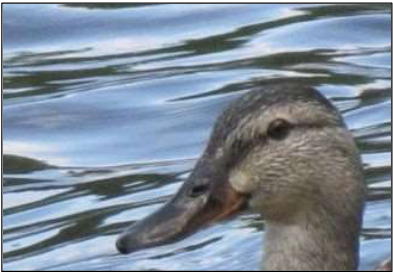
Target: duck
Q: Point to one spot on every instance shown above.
(282, 150)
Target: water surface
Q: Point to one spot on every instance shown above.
(106, 108)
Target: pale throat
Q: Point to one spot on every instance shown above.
(315, 241)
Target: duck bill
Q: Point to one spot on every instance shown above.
(194, 206)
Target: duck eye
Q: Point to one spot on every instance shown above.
(198, 190)
(278, 129)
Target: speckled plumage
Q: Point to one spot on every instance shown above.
(306, 181)
(309, 186)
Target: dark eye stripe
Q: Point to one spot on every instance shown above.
(240, 148)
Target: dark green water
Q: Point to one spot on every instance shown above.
(107, 107)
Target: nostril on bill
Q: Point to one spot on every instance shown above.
(198, 190)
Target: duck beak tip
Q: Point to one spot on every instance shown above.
(183, 215)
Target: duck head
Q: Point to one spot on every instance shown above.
(276, 150)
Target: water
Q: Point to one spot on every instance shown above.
(107, 107)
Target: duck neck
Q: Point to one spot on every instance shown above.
(314, 241)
